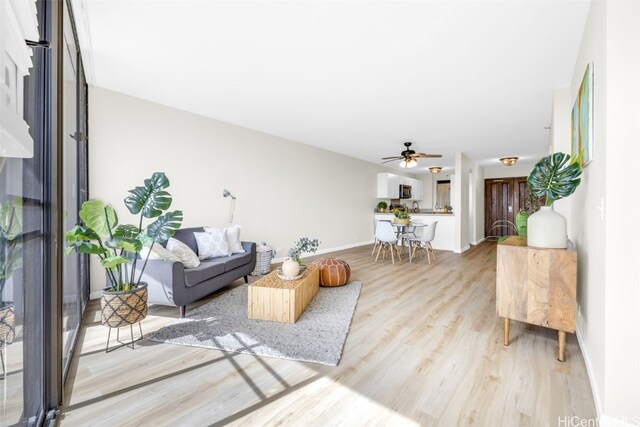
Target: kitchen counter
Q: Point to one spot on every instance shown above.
(445, 231)
(410, 212)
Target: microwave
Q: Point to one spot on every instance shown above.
(405, 192)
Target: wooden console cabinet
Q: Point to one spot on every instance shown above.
(537, 286)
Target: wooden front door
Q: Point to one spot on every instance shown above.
(503, 198)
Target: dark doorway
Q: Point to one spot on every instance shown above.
(503, 198)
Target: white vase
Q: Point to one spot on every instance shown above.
(290, 268)
(547, 229)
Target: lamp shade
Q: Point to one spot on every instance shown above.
(509, 161)
(412, 163)
(435, 169)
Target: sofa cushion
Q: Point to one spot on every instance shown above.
(183, 252)
(212, 245)
(205, 271)
(233, 237)
(185, 235)
(237, 260)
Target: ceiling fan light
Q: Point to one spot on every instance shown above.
(509, 161)
(435, 169)
(411, 163)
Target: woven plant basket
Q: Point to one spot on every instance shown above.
(401, 221)
(124, 308)
(7, 324)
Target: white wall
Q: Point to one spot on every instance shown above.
(600, 213)
(285, 190)
(461, 203)
(427, 185)
(476, 206)
(587, 228)
(502, 171)
(622, 293)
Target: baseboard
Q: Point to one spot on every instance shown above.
(587, 362)
(603, 420)
(466, 248)
(95, 295)
(477, 242)
(325, 251)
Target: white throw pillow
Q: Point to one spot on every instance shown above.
(184, 253)
(233, 238)
(212, 244)
(158, 253)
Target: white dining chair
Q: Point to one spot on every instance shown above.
(375, 239)
(387, 240)
(423, 243)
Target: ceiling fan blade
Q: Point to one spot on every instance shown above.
(433, 156)
(392, 158)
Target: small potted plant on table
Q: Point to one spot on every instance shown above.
(124, 301)
(401, 217)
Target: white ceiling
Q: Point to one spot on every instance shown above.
(358, 77)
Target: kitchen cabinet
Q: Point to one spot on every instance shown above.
(388, 186)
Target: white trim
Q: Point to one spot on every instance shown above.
(587, 362)
(81, 18)
(95, 295)
(324, 251)
(477, 242)
(466, 248)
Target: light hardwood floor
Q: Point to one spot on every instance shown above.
(425, 348)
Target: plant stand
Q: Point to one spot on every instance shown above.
(130, 344)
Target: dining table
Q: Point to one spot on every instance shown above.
(406, 231)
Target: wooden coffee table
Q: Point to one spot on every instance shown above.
(271, 298)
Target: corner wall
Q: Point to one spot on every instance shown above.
(285, 190)
(601, 214)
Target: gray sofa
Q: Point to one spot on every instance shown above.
(170, 283)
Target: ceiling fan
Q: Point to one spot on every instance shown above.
(409, 156)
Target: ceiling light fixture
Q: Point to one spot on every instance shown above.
(435, 169)
(411, 163)
(509, 161)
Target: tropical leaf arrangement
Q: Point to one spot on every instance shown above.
(555, 177)
(118, 245)
(304, 244)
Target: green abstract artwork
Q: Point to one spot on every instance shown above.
(582, 119)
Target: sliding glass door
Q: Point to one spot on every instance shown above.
(72, 302)
(43, 180)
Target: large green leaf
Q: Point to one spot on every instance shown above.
(554, 177)
(114, 261)
(164, 227)
(99, 217)
(151, 199)
(521, 222)
(80, 233)
(84, 247)
(126, 231)
(128, 244)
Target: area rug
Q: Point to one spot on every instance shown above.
(318, 336)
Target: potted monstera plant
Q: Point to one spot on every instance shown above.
(124, 301)
(10, 261)
(554, 177)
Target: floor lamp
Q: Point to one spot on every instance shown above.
(226, 193)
